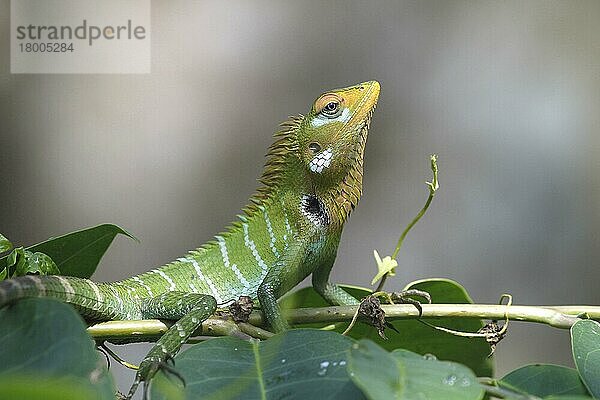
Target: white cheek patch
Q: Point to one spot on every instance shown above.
(320, 120)
(321, 161)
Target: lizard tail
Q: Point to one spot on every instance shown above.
(86, 296)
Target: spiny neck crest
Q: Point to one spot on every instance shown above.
(275, 166)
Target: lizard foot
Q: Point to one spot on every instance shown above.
(148, 368)
(240, 309)
(370, 308)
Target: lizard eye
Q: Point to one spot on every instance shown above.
(329, 105)
(314, 147)
(331, 109)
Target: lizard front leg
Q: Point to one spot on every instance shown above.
(190, 309)
(331, 292)
(267, 295)
(287, 272)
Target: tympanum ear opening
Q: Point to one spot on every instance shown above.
(314, 147)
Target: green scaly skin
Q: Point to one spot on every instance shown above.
(311, 182)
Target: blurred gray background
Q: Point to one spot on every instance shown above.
(506, 93)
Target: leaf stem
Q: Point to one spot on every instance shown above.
(491, 388)
(433, 187)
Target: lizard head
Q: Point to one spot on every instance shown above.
(321, 153)
(331, 143)
(332, 136)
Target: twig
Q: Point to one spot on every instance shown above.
(592, 312)
(149, 330)
(254, 331)
(122, 332)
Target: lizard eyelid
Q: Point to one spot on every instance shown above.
(329, 105)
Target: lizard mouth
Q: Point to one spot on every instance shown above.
(363, 131)
(365, 127)
(370, 97)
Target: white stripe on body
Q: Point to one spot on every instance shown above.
(250, 245)
(209, 282)
(141, 282)
(96, 290)
(128, 298)
(67, 286)
(288, 235)
(167, 278)
(271, 234)
(227, 263)
(117, 296)
(130, 290)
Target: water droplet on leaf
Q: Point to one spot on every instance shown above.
(450, 380)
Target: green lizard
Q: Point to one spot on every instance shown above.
(311, 182)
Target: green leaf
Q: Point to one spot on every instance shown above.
(21, 265)
(5, 244)
(13, 256)
(405, 375)
(78, 253)
(415, 336)
(17, 262)
(585, 342)
(41, 388)
(47, 339)
(21, 262)
(36, 263)
(302, 364)
(544, 380)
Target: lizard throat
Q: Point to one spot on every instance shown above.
(341, 200)
(314, 210)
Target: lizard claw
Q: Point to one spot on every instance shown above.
(403, 297)
(148, 368)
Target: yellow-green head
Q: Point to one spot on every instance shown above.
(321, 154)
